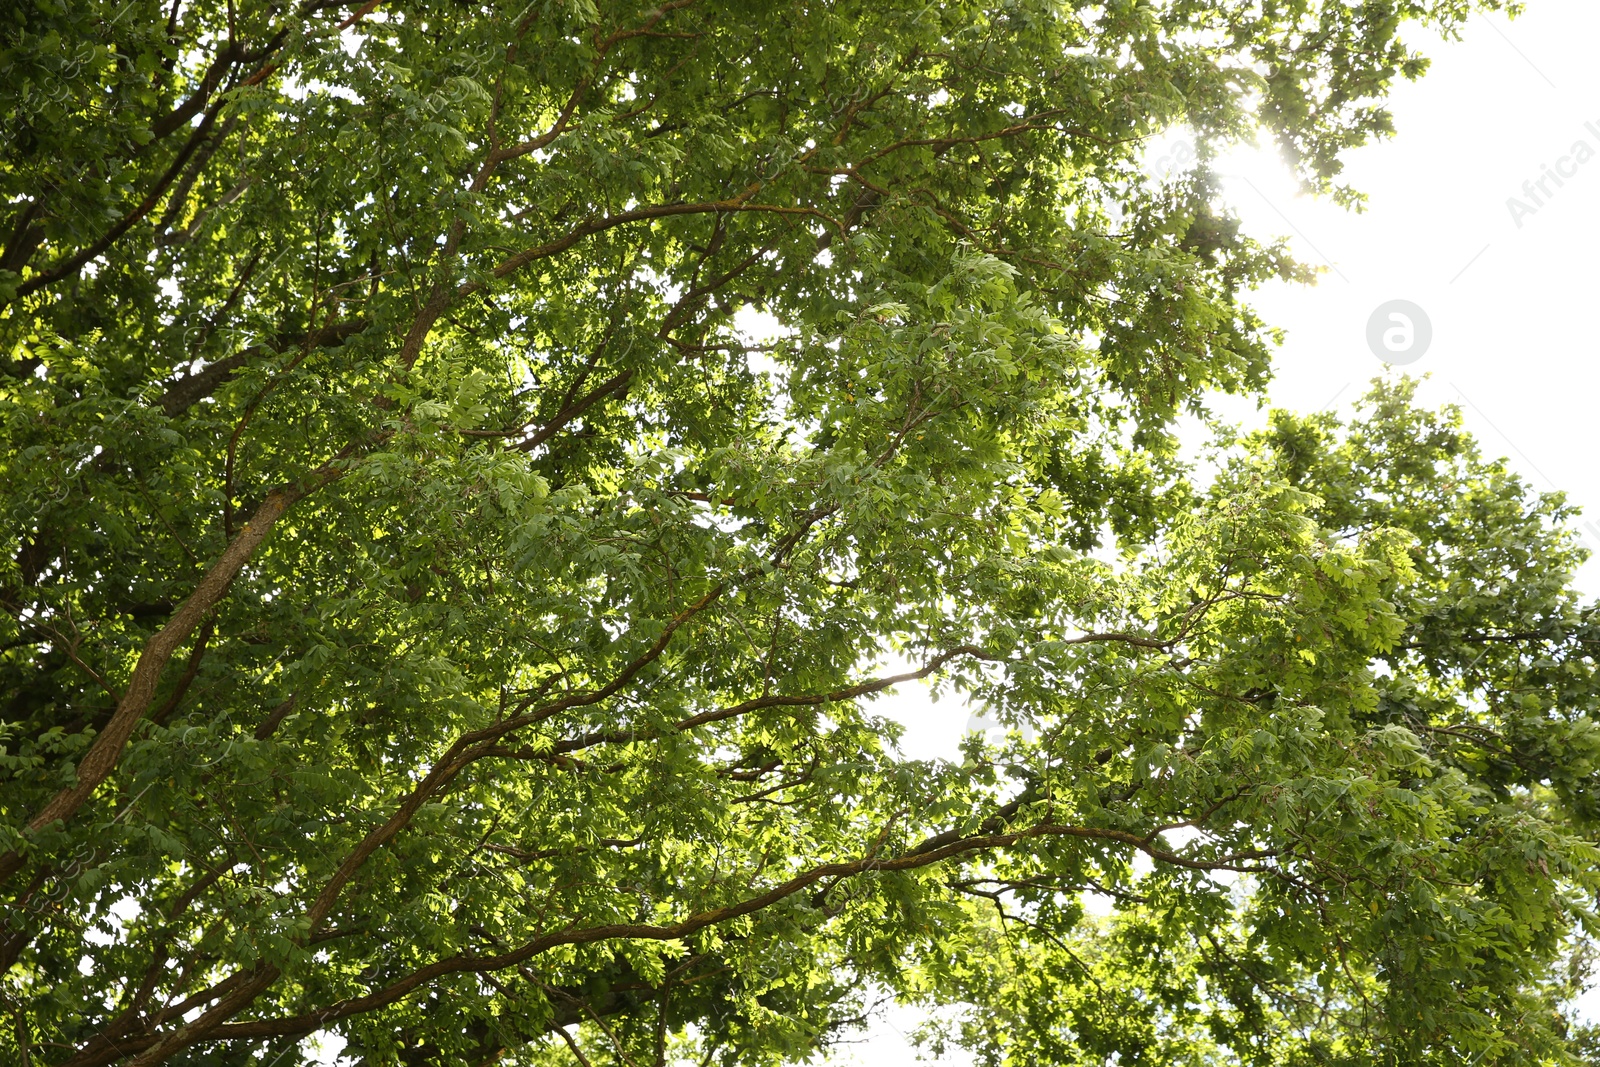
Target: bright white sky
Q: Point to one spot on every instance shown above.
(1512, 307)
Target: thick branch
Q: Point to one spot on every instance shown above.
(466, 750)
(102, 756)
(923, 856)
(73, 263)
(190, 390)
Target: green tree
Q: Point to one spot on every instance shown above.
(432, 619)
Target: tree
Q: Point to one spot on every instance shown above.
(434, 617)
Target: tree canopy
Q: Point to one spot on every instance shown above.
(435, 618)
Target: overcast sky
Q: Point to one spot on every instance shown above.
(1511, 291)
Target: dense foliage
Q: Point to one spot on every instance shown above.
(434, 618)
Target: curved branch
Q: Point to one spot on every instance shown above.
(189, 390)
(292, 1026)
(592, 226)
(470, 747)
(102, 756)
(73, 263)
